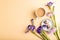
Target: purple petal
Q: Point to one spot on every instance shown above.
(49, 4)
(31, 27)
(45, 26)
(39, 29)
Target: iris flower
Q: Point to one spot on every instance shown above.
(50, 4)
(47, 26)
(52, 16)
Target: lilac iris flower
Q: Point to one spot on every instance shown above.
(49, 4)
(31, 27)
(39, 29)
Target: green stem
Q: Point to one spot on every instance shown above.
(36, 34)
(44, 38)
(42, 35)
(56, 33)
(54, 21)
(45, 35)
